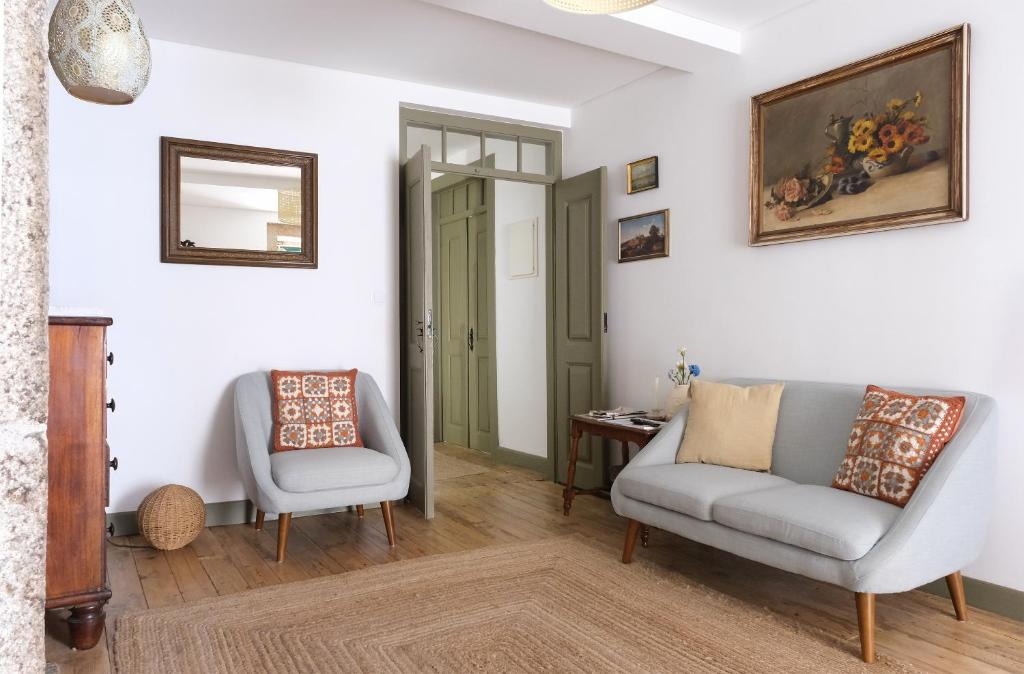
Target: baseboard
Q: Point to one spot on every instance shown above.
(513, 457)
(217, 514)
(1004, 601)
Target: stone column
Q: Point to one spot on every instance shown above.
(24, 365)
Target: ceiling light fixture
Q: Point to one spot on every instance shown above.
(597, 6)
(99, 50)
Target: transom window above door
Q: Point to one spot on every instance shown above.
(478, 147)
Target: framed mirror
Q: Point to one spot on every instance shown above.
(237, 205)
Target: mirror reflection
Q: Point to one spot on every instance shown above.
(240, 206)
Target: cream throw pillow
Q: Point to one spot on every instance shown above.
(730, 425)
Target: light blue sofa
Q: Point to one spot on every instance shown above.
(793, 520)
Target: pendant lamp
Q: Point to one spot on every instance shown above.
(99, 50)
(597, 6)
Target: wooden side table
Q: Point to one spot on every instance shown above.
(613, 430)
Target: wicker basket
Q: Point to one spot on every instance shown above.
(171, 517)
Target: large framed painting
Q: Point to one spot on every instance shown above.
(877, 144)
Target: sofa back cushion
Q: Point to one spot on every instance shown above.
(731, 425)
(814, 425)
(894, 442)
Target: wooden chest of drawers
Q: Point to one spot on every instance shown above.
(79, 463)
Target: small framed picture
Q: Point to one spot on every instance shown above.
(643, 236)
(642, 175)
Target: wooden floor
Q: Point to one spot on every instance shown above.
(503, 505)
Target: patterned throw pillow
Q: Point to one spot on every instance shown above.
(315, 409)
(895, 439)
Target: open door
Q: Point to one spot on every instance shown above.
(417, 351)
(578, 317)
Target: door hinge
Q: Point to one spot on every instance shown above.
(605, 320)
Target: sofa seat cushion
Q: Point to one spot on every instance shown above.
(836, 523)
(331, 468)
(692, 488)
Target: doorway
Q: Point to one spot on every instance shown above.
(462, 150)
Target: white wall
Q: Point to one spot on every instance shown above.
(520, 308)
(213, 227)
(935, 306)
(183, 333)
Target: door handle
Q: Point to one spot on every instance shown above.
(471, 339)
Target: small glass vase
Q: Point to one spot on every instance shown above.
(678, 398)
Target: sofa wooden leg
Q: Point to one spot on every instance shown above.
(866, 623)
(283, 522)
(955, 583)
(389, 521)
(359, 511)
(259, 520)
(632, 531)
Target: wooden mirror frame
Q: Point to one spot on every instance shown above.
(171, 250)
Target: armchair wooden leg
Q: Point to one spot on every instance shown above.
(632, 531)
(389, 521)
(359, 511)
(259, 520)
(283, 522)
(955, 583)
(866, 623)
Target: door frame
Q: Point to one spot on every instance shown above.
(417, 116)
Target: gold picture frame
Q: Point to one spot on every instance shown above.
(642, 175)
(644, 236)
(895, 145)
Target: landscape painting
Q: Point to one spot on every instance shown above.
(877, 144)
(643, 236)
(642, 175)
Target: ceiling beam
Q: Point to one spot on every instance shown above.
(653, 34)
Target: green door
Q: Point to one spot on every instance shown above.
(454, 315)
(417, 360)
(468, 392)
(578, 270)
(483, 389)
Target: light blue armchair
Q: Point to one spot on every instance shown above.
(314, 479)
(793, 520)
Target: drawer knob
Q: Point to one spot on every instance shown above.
(110, 529)
(110, 358)
(113, 463)
(111, 405)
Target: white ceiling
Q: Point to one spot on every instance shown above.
(400, 39)
(520, 49)
(735, 14)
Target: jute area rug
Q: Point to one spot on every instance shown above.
(559, 605)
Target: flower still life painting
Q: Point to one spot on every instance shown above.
(643, 236)
(878, 144)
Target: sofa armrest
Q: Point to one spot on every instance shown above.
(663, 448)
(943, 527)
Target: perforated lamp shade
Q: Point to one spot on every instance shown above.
(99, 50)
(598, 6)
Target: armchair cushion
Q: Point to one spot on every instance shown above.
(692, 488)
(315, 409)
(839, 524)
(331, 468)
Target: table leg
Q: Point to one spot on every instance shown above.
(574, 448)
(625, 453)
(645, 535)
